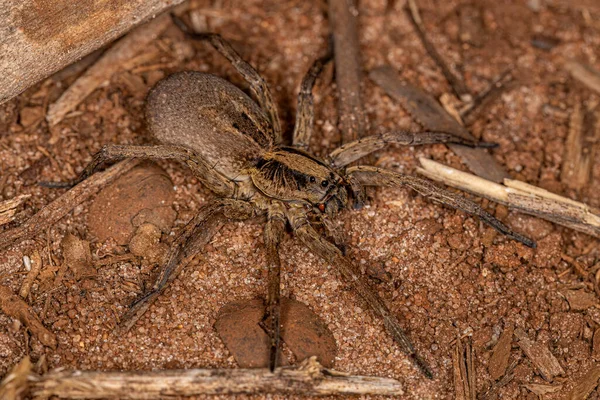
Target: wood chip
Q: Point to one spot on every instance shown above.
(499, 360)
(540, 356)
(586, 384)
(542, 389)
(308, 379)
(8, 208)
(580, 299)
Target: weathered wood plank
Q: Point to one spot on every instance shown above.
(39, 37)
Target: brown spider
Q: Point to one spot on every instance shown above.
(234, 146)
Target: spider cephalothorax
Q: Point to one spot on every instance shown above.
(234, 146)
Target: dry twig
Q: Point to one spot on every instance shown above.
(13, 306)
(519, 196)
(54, 211)
(584, 74)
(309, 378)
(584, 131)
(458, 85)
(8, 208)
(110, 62)
(347, 69)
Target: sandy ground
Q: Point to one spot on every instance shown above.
(450, 276)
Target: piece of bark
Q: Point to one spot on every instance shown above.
(585, 74)
(308, 379)
(60, 207)
(499, 360)
(464, 370)
(36, 267)
(8, 208)
(579, 148)
(110, 62)
(596, 345)
(519, 196)
(13, 306)
(580, 300)
(432, 116)
(586, 384)
(14, 386)
(540, 356)
(41, 37)
(351, 114)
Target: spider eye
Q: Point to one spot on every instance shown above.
(312, 179)
(324, 184)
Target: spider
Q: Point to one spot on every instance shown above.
(234, 146)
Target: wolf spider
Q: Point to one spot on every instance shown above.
(234, 146)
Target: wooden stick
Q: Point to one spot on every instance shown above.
(13, 306)
(41, 37)
(519, 196)
(585, 74)
(347, 69)
(580, 147)
(110, 62)
(8, 208)
(309, 378)
(60, 207)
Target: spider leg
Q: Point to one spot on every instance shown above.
(273, 233)
(352, 151)
(372, 176)
(201, 169)
(193, 237)
(303, 127)
(258, 85)
(328, 252)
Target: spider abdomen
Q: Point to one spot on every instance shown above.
(210, 116)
